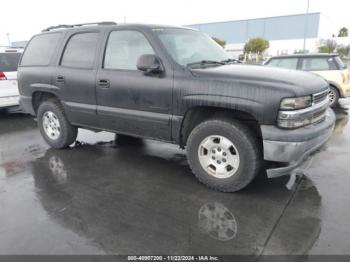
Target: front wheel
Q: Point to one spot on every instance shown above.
(333, 97)
(54, 126)
(223, 154)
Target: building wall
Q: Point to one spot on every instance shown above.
(278, 47)
(19, 44)
(270, 28)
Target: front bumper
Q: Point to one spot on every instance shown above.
(292, 147)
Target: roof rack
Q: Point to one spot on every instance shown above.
(76, 25)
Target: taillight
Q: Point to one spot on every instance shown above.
(2, 76)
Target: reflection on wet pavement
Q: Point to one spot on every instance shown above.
(216, 220)
(139, 197)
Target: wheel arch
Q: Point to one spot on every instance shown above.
(40, 96)
(336, 86)
(198, 114)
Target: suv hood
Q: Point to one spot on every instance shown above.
(302, 83)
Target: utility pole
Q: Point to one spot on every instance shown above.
(8, 39)
(305, 26)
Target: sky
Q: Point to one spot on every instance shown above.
(28, 17)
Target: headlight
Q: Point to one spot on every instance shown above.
(296, 103)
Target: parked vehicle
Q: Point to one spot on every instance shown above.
(175, 85)
(329, 66)
(9, 96)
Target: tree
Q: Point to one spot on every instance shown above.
(222, 43)
(343, 32)
(343, 50)
(256, 46)
(323, 49)
(327, 46)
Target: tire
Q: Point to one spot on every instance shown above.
(245, 148)
(333, 97)
(65, 133)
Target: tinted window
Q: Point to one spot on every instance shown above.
(40, 49)
(9, 62)
(124, 48)
(288, 63)
(80, 50)
(318, 63)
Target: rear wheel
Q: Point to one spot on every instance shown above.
(54, 126)
(333, 95)
(223, 154)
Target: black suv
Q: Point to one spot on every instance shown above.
(175, 85)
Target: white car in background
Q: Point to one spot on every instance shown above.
(9, 96)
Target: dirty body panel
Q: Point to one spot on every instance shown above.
(156, 106)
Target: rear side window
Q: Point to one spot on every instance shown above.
(9, 61)
(288, 63)
(40, 49)
(318, 64)
(80, 51)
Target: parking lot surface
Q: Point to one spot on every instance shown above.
(111, 196)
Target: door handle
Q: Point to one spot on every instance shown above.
(103, 83)
(60, 79)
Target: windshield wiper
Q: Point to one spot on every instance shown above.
(231, 61)
(205, 62)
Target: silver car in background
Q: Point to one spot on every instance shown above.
(9, 96)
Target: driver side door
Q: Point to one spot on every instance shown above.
(128, 100)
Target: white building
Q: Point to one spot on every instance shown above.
(286, 34)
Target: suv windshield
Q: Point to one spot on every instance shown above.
(190, 47)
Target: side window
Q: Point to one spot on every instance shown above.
(318, 64)
(40, 49)
(288, 63)
(124, 48)
(80, 51)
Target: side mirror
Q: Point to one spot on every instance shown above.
(150, 64)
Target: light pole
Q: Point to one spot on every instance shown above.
(305, 25)
(8, 38)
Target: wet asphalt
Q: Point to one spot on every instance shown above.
(107, 195)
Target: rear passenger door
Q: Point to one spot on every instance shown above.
(129, 101)
(75, 76)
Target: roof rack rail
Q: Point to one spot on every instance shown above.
(76, 25)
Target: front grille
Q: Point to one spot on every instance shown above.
(320, 97)
(319, 116)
